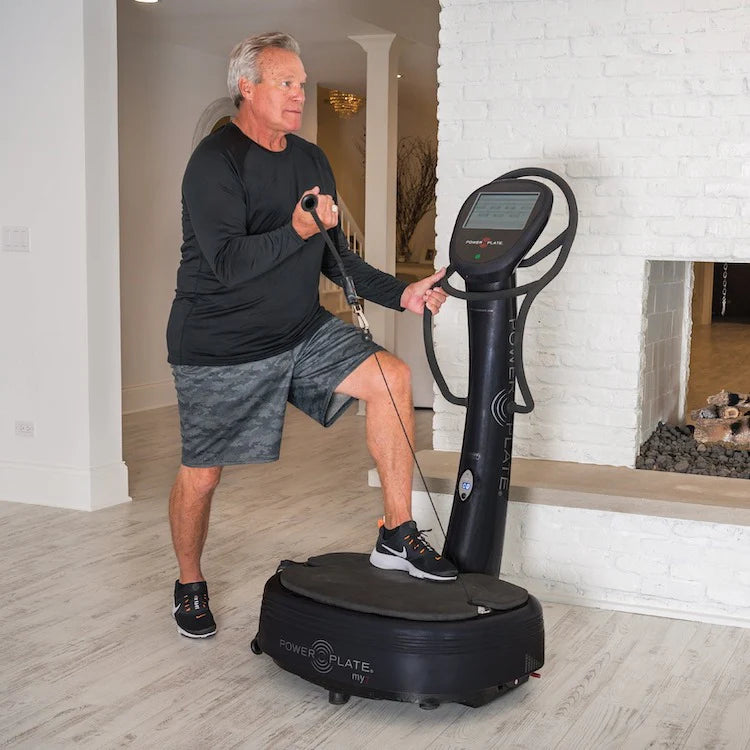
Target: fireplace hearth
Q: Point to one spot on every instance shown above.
(674, 448)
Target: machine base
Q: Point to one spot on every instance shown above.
(426, 661)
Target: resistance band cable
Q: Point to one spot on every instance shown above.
(309, 203)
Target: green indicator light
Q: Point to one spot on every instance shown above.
(477, 256)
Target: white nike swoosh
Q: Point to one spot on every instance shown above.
(398, 554)
(174, 609)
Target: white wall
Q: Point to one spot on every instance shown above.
(643, 107)
(163, 90)
(58, 303)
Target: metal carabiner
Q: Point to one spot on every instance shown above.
(359, 315)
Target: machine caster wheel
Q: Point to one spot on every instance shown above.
(429, 705)
(337, 698)
(255, 647)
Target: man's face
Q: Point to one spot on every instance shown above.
(278, 100)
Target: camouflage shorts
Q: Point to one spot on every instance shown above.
(234, 414)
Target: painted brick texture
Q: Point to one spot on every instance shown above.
(666, 317)
(687, 569)
(644, 108)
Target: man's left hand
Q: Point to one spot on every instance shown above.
(421, 293)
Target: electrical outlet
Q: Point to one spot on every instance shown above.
(24, 429)
(16, 239)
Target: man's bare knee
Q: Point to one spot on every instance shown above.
(201, 481)
(397, 374)
(367, 381)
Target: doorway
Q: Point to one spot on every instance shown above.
(720, 341)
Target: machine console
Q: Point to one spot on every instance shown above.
(497, 226)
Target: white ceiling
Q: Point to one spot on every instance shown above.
(322, 28)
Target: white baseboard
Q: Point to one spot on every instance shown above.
(64, 487)
(148, 396)
(694, 615)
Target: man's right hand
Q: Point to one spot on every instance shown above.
(327, 210)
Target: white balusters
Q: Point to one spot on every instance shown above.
(331, 295)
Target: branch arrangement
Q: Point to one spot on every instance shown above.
(416, 178)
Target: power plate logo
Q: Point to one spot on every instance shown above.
(322, 653)
(484, 242)
(324, 659)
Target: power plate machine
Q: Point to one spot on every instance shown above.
(353, 629)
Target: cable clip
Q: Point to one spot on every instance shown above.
(359, 315)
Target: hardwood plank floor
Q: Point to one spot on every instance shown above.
(719, 359)
(91, 657)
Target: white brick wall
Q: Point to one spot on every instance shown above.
(667, 323)
(693, 570)
(645, 109)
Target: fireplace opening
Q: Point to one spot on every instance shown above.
(695, 346)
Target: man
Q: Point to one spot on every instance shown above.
(247, 333)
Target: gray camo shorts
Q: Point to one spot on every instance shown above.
(234, 414)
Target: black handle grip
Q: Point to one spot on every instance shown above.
(309, 202)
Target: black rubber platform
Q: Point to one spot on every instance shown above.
(471, 661)
(347, 580)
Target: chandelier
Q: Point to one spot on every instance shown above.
(345, 105)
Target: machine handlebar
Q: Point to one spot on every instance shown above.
(563, 241)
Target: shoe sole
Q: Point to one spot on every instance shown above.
(390, 562)
(186, 633)
(195, 635)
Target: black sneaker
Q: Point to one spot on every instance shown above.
(405, 548)
(194, 618)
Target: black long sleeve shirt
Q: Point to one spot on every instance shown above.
(247, 285)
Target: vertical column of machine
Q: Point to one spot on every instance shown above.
(474, 539)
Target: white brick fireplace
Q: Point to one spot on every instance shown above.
(644, 108)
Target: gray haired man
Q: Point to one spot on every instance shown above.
(247, 332)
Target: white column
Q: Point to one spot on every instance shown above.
(380, 169)
(59, 302)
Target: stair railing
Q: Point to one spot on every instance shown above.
(356, 240)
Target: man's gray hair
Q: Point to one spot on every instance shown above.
(243, 61)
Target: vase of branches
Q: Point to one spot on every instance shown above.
(416, 178)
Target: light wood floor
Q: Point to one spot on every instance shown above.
(91, 657)
(719, 358)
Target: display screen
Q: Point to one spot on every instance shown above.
(501, 211)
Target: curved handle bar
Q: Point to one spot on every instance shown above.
(429, 347)
(564, 241)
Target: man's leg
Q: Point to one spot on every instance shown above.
(189, 510)
(385, 436)
(400, 545)
(231, 414)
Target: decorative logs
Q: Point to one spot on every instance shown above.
(726, 419)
